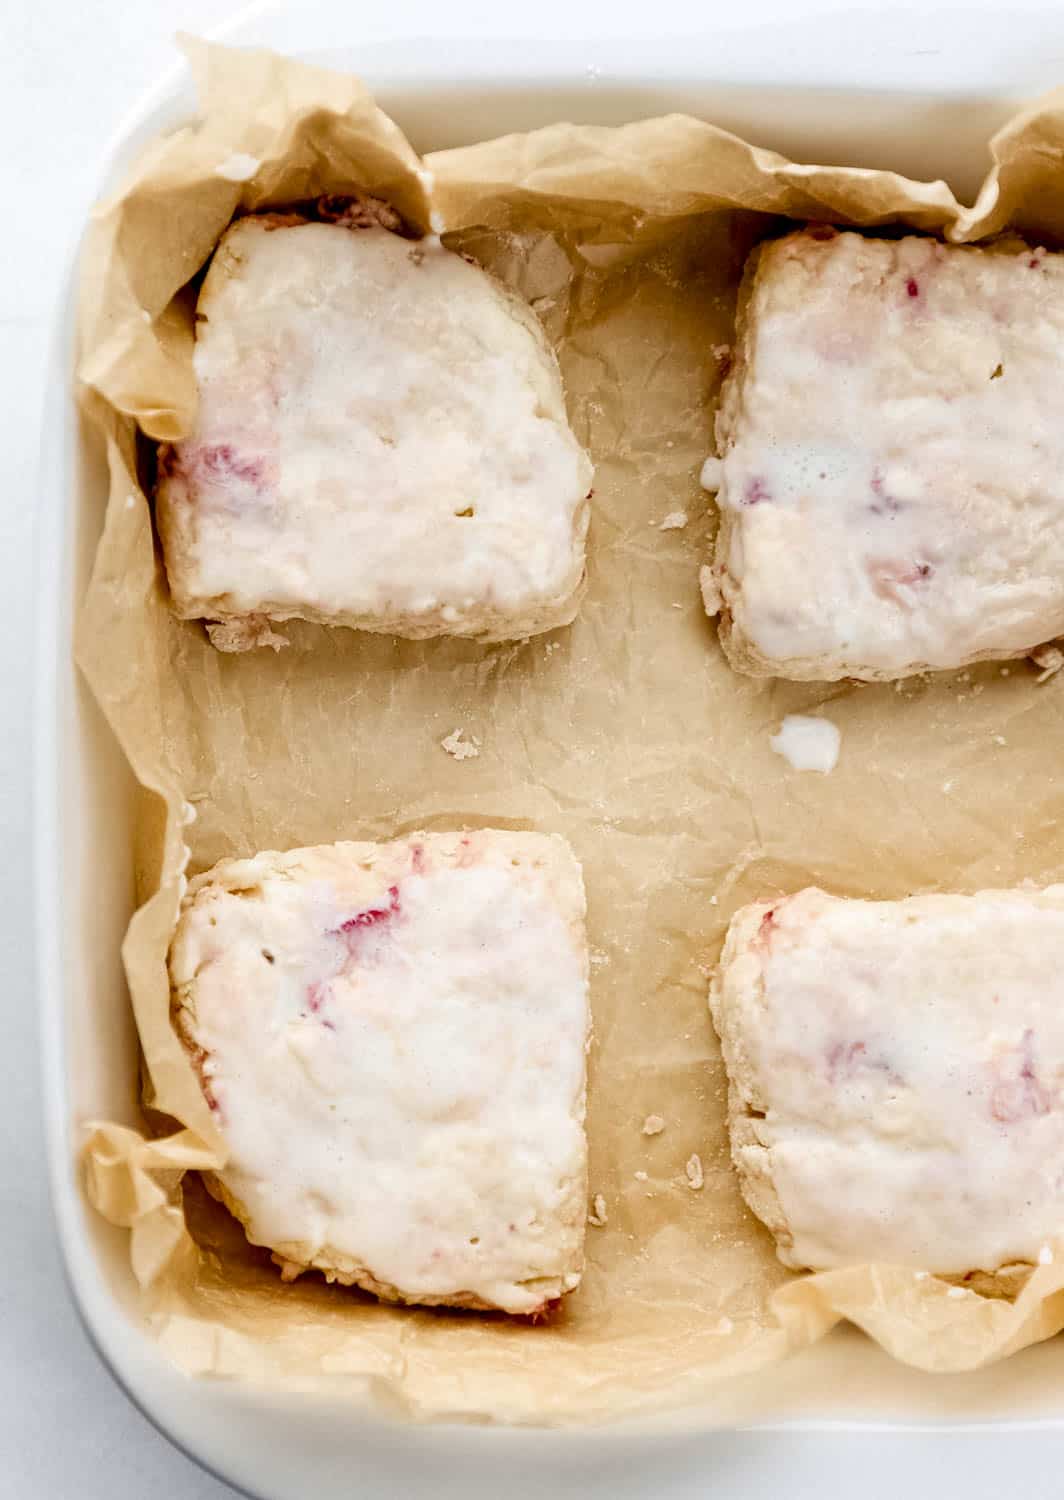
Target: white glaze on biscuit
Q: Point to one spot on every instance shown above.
(381, 442)
(897, 1076)
(892, 482)
(392, 1040)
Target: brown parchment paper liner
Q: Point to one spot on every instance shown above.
(627, 733)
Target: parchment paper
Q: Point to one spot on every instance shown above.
(627, 733)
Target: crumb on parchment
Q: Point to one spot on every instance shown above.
(459, 748)
(676, 520)
(653, 1125)
(244, 633)
(710, 590)
(710, 474)
(598, 1215)
(1050, 659)
(695, 1176)
(808, 743)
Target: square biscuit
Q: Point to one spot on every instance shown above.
(896, 1078)
(392, 1040)
(381, 442)
(892, 459)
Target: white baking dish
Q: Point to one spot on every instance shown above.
(924, 105)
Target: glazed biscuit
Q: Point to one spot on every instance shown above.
(381, 442)
(392, 1040)
(892, 475)
(896, 1077)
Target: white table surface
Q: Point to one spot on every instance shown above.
(69, 71)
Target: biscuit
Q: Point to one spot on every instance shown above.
(392, 1040)
(892, 479)
(896, 1078)
(381, 442)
